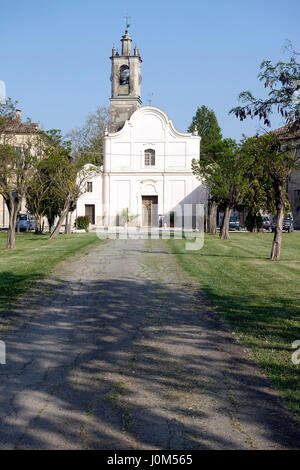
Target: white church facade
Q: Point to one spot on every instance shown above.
(146, 171)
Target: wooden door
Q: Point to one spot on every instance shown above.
(149, 214)
(90, 212)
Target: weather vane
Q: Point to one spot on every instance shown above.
(127, 18)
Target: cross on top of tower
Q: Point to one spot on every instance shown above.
(127, 24)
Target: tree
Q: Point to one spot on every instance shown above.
(63, 186)
(208, 128)
(59, 174)
(257, 198)
(276, 163)
(70, 183)
(87, 141)
(18, 161)
(282, 80)
(226, 171)
(7, 111)
(58, 183)
(16, 170)
(207, 125)
(42, 197)
(272, 164)
(35, 195)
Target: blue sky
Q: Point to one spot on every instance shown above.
(55, 55)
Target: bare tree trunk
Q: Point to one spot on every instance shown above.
(224, 234)
(67, 222)
(275, 252)
(213, 217)
(50, 223)
(69, 226)
(13, 208)
(38, 225)
(61, 218)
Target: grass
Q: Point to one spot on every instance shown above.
(115, 393)
(258, 298)
(34, 258)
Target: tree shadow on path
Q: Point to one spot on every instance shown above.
(127, 364)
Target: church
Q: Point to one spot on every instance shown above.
(146, 175)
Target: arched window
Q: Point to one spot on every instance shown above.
(149, 157)
(124, 75)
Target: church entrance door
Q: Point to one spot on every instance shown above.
(150, 212)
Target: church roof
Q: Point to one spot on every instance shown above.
(156, 112)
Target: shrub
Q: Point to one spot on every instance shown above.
(250, 222)
(259, 222)
(125, 215)
(82, 222)
(254, 222)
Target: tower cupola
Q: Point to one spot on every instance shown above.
(126, 44)
(126, 83)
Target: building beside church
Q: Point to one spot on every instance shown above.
(18, 134)
(146, 162)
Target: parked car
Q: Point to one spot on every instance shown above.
(287, 225)
(234, 223)
(26, 222)
(267, 223)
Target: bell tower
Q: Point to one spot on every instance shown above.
(125, 83)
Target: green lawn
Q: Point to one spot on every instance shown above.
(259, 298)
(33, 259)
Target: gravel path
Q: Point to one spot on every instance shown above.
(118, 349)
